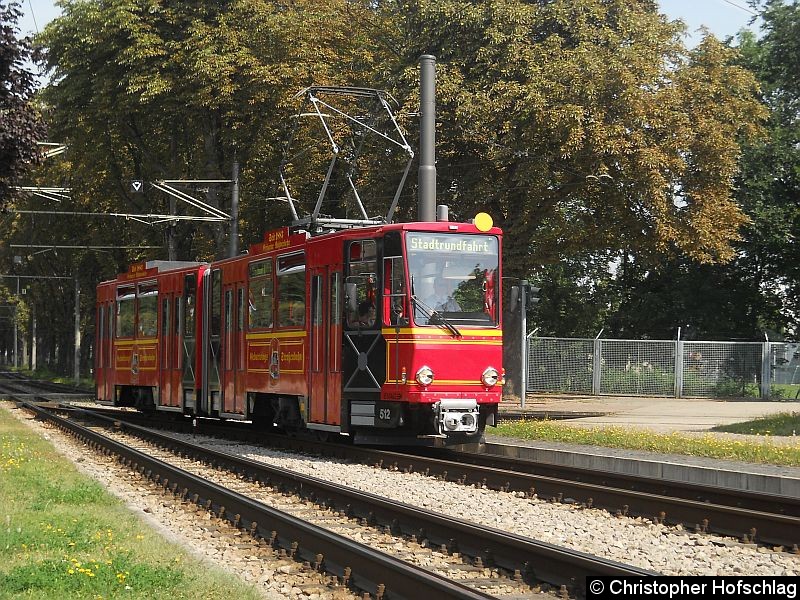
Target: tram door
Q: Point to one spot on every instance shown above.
(186, 340)
(100, 374)
(170, 351)
(232, 351)
(212, 335)
(319, 345)
(103, 349)
(325, 346)
(166, 384)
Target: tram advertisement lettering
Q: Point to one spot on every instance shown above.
(123, 356)
(448, 243)
(258, 357)
(147, 358)
(288, 358)
(292, 358)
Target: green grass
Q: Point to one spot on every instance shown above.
(673, 443)
(781, 424)
(785, 391)
(62, 536)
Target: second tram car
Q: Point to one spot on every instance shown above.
(389, 334)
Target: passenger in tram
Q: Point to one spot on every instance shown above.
(366, 313)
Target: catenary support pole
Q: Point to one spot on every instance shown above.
(233, 248)
(16, 330)
(77, 332)
(33, 339)
(523, 347)
(426, 206)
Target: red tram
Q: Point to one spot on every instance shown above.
(390, 334)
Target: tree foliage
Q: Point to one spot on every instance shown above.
(769, 186)
(758, 290)
(585, 127)
(161, 90)
(581, 125)
(20, 124)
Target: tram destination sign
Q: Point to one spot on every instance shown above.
(452, 244)
(277, 239)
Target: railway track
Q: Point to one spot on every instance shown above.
(523, 559)
(13, 380)
(749, 516)
(752, 517)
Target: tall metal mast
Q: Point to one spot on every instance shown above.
(426, 208)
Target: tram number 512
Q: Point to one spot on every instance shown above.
(385, 414)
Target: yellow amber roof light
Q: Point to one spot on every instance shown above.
(483, 221)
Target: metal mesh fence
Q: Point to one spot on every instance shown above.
(722, 369)
(637, 367)
(560, 365)
(651, 368)
(784, 370)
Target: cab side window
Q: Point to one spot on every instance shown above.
(361, 285)
(291, 273)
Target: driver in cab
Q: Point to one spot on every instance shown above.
(441, 299)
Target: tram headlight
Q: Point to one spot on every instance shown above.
(451, 422)
(489, 377)
(424, 376)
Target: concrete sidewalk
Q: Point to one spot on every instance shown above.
(664, 415)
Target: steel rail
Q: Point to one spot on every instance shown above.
(723, 511)
(12, 380)
(659, 503)
(542, 561)
(366, 569)
(746, 499)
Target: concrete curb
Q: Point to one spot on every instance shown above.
(770, 479)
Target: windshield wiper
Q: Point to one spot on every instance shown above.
(440, 319)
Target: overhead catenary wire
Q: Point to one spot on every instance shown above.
(740, 7)
(33, 16)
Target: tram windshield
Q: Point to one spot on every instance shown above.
(454, 278)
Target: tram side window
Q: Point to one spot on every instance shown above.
(126, 311)
(394, 290)
(190, 291)
(361, 284)
(148, 309)
(216, 302)
(292, 290)
(101, 334)
(260, 294)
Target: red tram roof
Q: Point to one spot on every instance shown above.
(284, 239)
